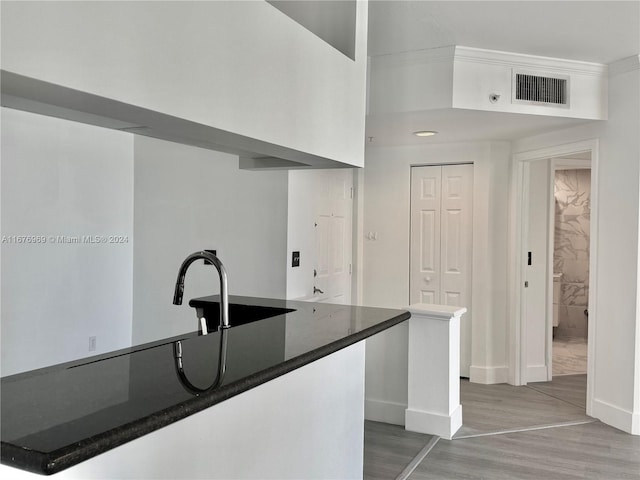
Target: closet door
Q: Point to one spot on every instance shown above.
(425, 234)
(441, 242)
(455, 257)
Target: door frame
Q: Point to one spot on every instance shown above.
(548, 286)
(517, 245)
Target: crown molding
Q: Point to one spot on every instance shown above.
(496, 57)
(624, 65)
(459, 53)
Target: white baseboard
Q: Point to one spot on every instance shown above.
(384, 411)
(488, 375)
(537, 373)
(444, 426)
(616, 417)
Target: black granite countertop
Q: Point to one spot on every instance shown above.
(56, 417)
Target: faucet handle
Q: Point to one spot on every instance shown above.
(203, 326)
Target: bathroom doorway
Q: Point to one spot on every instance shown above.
(571, 226)
(531, 338)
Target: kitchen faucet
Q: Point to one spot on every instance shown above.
(224, 294)
(222, 366)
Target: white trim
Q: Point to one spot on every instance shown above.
(519, 60)
(617, 417)
(557, 151)
(459, 53)
(593, 276)
(489, 375)
(522, 248)
(625, 65)
(551, 227)
(571, 164)
(537, 373)
(518, 371)
(436, 312)
(357, 277)
(444, 426)
(514, 275)
(384, 411)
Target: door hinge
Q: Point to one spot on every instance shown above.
(351, 193)
(526, 284)
(349, 269)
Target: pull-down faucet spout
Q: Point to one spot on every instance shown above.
(222, 273)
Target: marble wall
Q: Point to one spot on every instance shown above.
(571, 248)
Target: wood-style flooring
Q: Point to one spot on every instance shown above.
(535, 432)
(592, 450)
(388, 449)
(502, 407)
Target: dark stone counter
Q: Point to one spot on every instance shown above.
(56, 417)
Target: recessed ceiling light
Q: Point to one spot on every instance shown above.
(425, 133)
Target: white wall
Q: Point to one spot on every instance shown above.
(189, 199)
(397, 81)
(386, 261)
(300, 232)
(244, 67)
(614, 285)
(489, 339)
(69, 179)
(537, 274)
(66, 178)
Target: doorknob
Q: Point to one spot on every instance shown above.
(427, 279)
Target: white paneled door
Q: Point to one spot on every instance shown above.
(441, 240)
(333, 231)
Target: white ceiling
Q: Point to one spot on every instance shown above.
(594, 31)
(591, 31)
(457, 125)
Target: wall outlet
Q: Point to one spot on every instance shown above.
(92, 344)
(207, 262)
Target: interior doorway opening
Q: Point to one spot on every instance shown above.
(571, 226)
(532, 332)
(556, 240)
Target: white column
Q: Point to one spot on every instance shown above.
(434, 370)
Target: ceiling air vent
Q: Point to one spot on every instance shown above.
(539, 90)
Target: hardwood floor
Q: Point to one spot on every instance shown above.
(497, 408)
(535, 432)
(569, 388)
(593, 450)
(388, 449)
